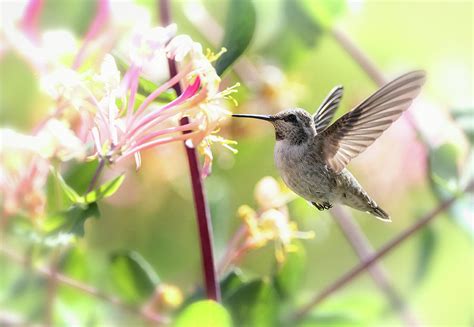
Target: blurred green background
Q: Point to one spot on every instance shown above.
(293, 61)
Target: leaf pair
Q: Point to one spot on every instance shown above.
(103, 191)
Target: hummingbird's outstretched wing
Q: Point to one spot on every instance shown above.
(326, 110)
(356, 130)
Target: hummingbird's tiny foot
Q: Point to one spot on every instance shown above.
(327, 205)
(322, 206)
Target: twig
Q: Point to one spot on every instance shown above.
(357, 270)
(200, 203)
(369, 67)
(90, 290)
(364, 250)
(359, 56)
(231, 248)
(52, 289)
(96, 176)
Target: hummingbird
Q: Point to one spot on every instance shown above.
(312, 155)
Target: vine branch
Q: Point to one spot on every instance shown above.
(364, 250)
(78, 285)
(368, 262)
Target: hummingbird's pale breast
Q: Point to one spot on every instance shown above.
(303, 172)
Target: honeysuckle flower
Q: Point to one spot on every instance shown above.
(55, 140)
(149, 43)
(125, 131)
(26, 162)
(271, 225)
(23, 174)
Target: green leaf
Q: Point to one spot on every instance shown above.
(68, 190)
(231, 282)
(290, 274)
(323, 13)
(75, 15)
(254, 304)
(327, 319)
(146, 87)
(239, 29)
(105, 190)
(447, 179)
(18, 91)
(70, 221)
(428, 241)
(134, 277)
(465, 118)
(299, 22)
(443, 163)
(204, 313)
(79, 175)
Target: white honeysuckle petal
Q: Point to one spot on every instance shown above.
(60, 141)
(109, 74)
(58, 45)
(15, 141)
(138, 160)
(147, 43)
(182, 45)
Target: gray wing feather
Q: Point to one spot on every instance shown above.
(326, 110)
(352, 133)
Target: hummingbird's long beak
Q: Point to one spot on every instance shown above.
(262, 117)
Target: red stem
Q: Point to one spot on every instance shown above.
(200, 203)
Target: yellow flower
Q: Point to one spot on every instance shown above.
(271, 225)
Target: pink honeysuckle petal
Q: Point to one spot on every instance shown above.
(103, 12)
(125, 83)
(133, 91)
(144, 128)
(30, 19)
(175, 129)
(100, 20)
(188, 93)
(169, 84)
(154, 143)
(148, 120)
(96, 138)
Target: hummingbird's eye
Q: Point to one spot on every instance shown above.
(291, 118)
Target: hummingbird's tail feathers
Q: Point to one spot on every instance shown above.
(380, 214)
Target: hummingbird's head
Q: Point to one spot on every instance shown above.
(293, 125)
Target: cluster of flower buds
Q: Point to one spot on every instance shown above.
(269, 223)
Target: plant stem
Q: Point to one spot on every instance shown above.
(90, 290)
(96, 176)
(52, 288)
(200, 203)
(364, 250)
(357, 270)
